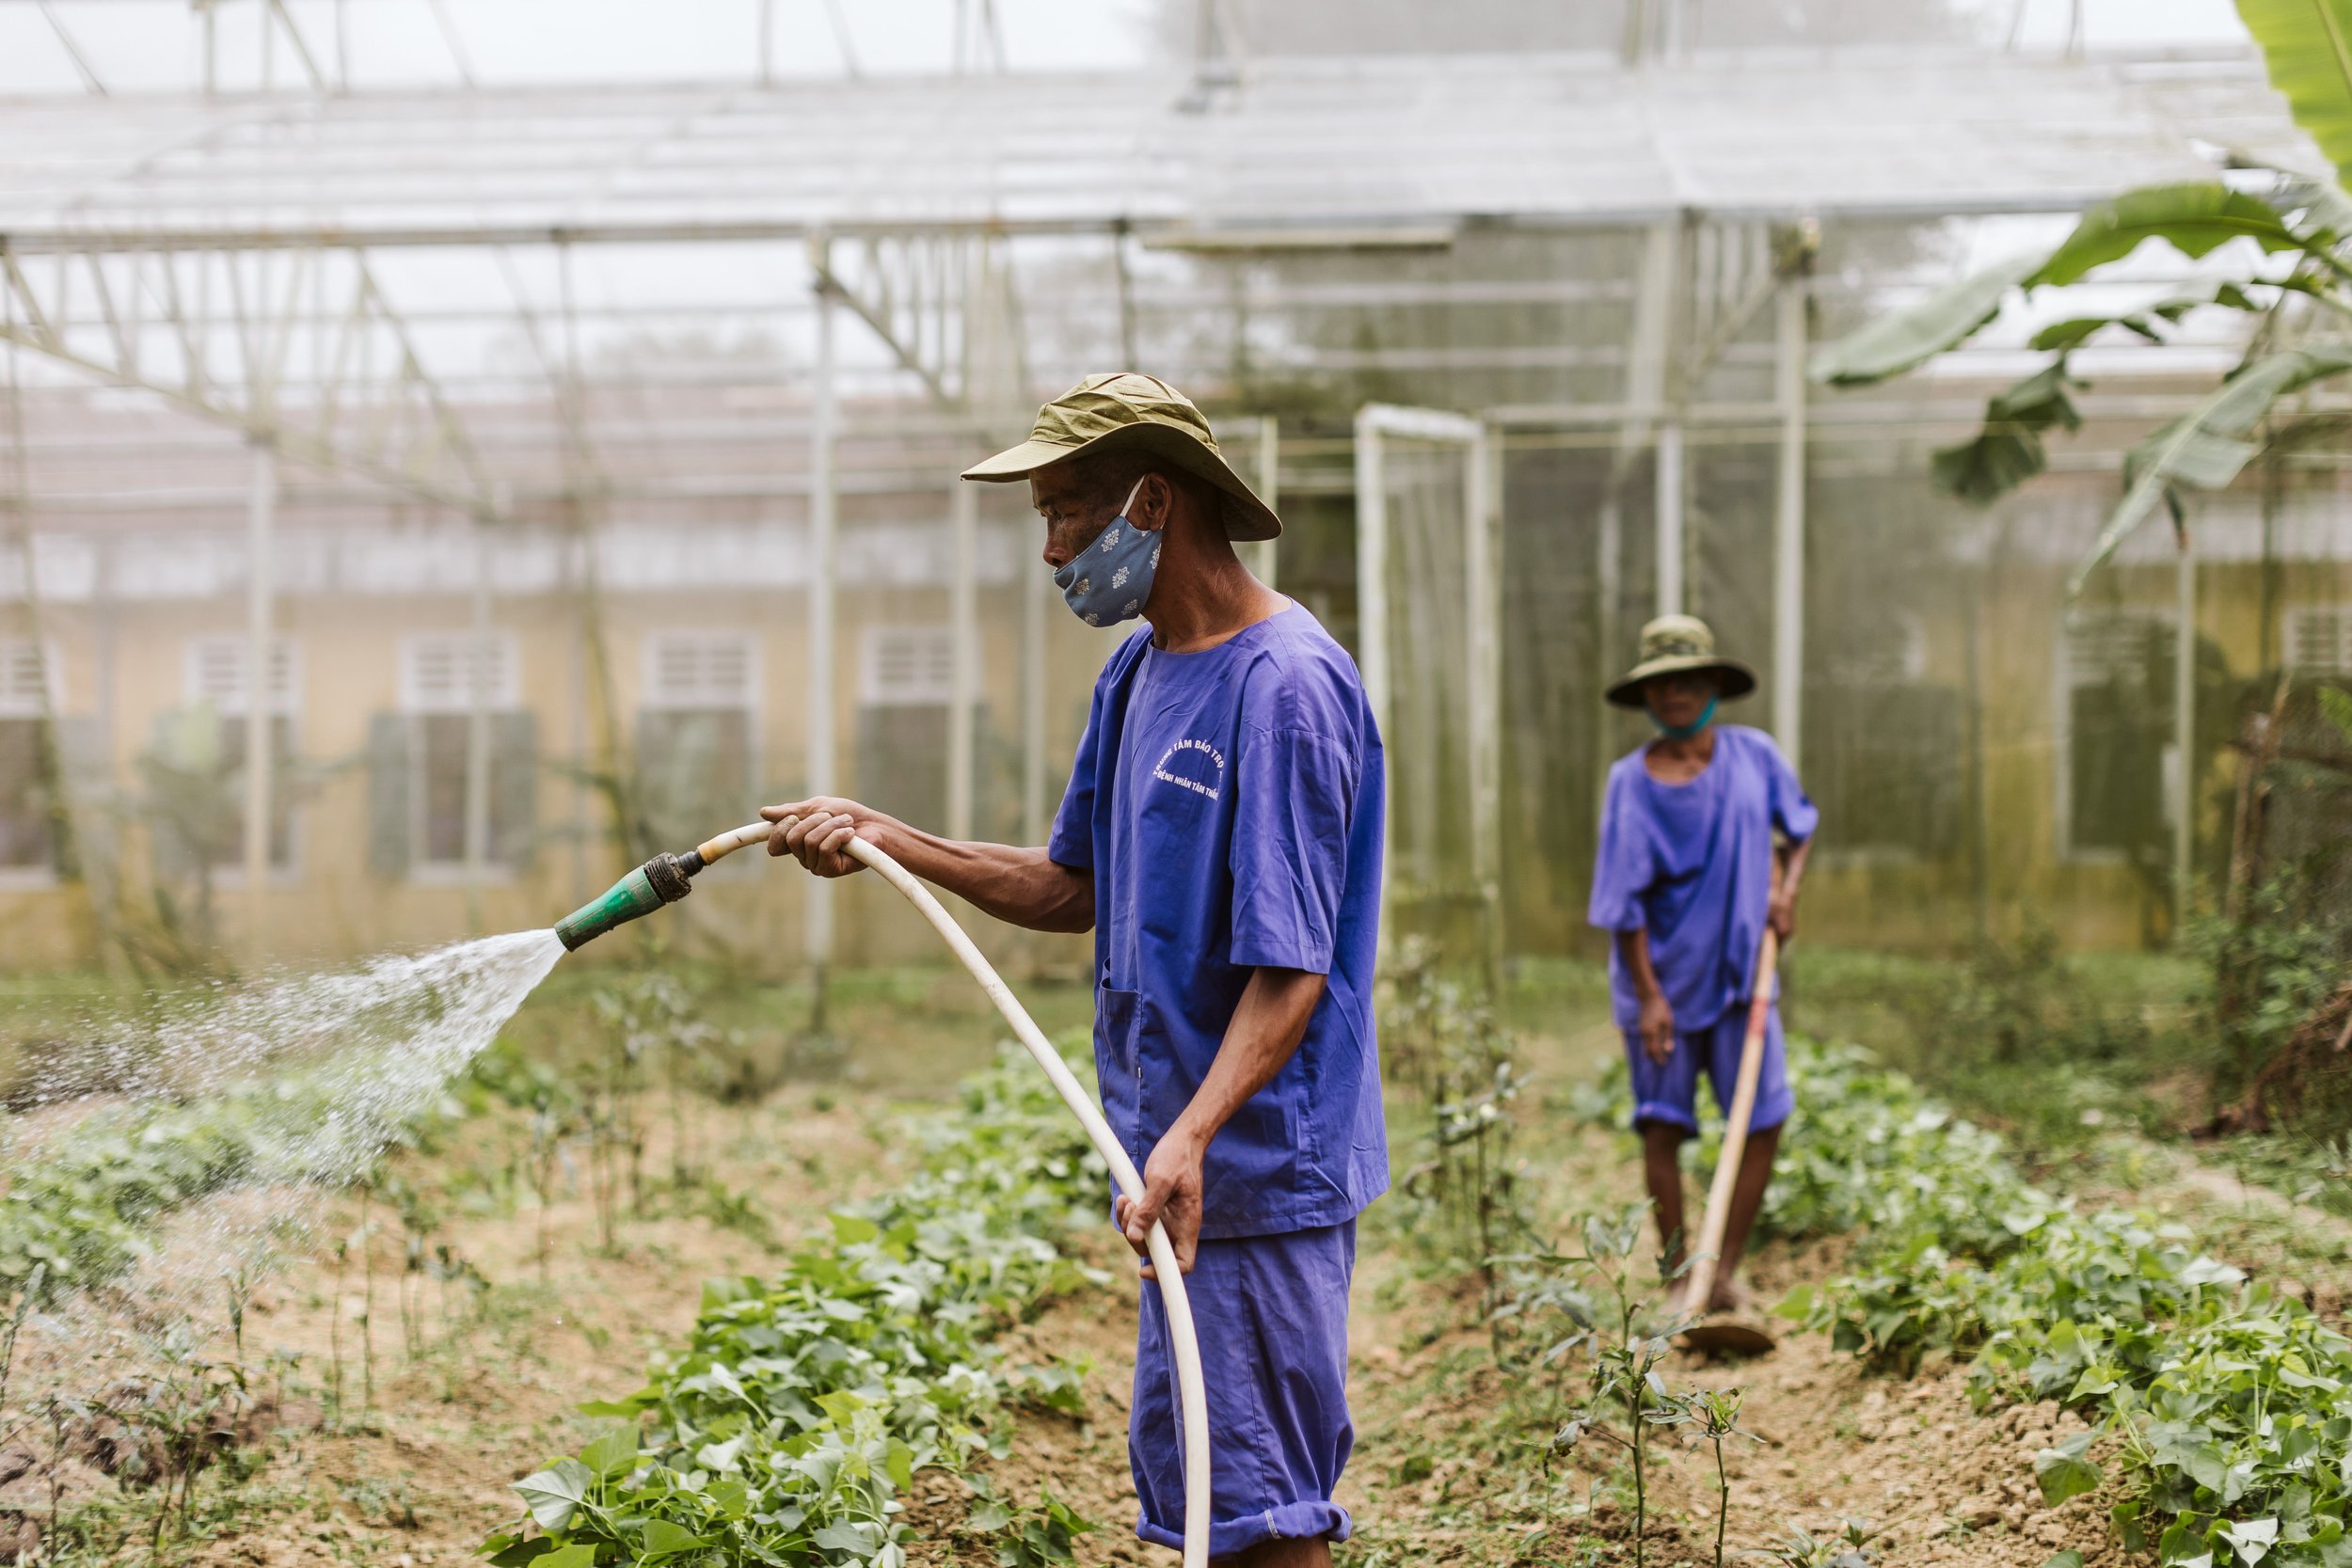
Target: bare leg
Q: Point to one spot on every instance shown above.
(1661, 1169)
(1747, 1197)
(1314, 1552)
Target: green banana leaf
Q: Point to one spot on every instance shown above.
(2193, 218)
(2308, 45)
(2205, 447)
(1910, 337)
(2075, 331)
(2006, 449)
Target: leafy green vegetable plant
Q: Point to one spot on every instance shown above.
(1027, 1537)
(2232, 1404)
(803, 1405)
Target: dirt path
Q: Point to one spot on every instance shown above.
(1434, 1480)
(1439, 1479)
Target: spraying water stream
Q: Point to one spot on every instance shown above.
(161, 1159)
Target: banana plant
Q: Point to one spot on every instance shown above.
(2297, 288)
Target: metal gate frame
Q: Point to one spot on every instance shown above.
(1482, 655)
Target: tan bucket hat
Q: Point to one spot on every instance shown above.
(1127, 411)
(1670, 645)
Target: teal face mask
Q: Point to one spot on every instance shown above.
(1684, 731)
(1111, 577)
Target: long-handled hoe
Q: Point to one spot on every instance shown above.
(1725, 1335)
(667, 878)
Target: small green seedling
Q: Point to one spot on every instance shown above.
(1713, 1416)
(1847, 1548)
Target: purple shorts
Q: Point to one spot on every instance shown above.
(1271, 1314)
(1670, 1092)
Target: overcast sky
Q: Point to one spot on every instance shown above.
(146, 44)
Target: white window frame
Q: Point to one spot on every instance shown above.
(744, 695)
(285, 676)
(233, 702)
(931, 649)
(505, 683)
(25, 702)
(420, 699)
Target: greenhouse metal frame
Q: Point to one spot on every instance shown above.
(276, 264)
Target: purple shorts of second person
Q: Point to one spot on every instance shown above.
(1669, 1091)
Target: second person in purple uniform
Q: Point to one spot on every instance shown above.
(1704, 835)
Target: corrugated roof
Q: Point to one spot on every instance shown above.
(1321, 145)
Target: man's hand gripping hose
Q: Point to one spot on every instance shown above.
(1192, 1395)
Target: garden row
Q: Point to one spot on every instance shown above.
(803, 1405)
(2232, 1404)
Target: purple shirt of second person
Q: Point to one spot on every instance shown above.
(1692, 864)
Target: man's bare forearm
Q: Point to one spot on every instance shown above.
(1021, 887)
(1267, 1025)
(1633, 952)
(1791, 860)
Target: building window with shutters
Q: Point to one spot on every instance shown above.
(197, 760)
(422, 761)
(906, 678)
(31, 682)
(696, 734)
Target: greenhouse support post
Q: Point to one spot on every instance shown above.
(1372, 610)
(1034, 583)
(1646, 391)
(962, 642)
(1268, 563)
(822, 569)
(1788, 528)
(260, 519)
(2183, 730)
(1669, 517)
(478, 694)
(1483, 587)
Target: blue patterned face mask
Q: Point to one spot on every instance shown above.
(1111, 577)
(1684, 731)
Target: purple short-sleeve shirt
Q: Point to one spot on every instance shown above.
(1692, 864)
(1229, 805)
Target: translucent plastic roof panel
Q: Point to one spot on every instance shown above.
(1307, 144)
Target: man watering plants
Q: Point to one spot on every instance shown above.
(1221, 837)
(1704, 834)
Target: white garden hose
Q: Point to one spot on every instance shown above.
(1192, 1395)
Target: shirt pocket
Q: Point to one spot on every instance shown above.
(1252, 1163)
(1118, 1059)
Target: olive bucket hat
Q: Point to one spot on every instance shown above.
(1128, 412)
(1675, 644)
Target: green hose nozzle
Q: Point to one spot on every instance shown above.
(663, 879)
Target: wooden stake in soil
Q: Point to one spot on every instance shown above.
(1736, 1338)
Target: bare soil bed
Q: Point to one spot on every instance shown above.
(439, 1416)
